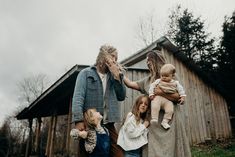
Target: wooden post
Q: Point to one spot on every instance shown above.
(69, 126)
(27, 153)
(51, 149)
(49, 137)
(37, 138)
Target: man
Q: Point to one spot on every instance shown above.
(100, 86)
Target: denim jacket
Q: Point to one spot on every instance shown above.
(88, 93)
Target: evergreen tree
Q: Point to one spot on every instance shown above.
(189, 35)
(227, 48)
(226, 60)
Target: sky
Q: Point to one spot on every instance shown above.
(51, 36)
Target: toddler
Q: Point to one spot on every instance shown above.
(168, 85)
(97, 140)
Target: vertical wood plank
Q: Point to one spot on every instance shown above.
(49, 137)
(53, 134)
(69, 126)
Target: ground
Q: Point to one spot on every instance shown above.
(223, 148)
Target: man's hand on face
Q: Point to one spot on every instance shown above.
(113, 68)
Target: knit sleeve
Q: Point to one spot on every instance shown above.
(180, 89)
(132, 129)
(90, 141)
(144, 85)
(152, 87)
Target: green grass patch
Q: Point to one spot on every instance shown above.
(221, 149)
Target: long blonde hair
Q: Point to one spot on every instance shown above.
(88, 118)
(157, 60)
(104, 51)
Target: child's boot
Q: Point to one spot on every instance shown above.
(165, 124)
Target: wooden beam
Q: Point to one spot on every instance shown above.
(69, 126)
(49, 137)
(38, 132)
(53, 133)
(27, 153)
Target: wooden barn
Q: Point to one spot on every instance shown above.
(205, 112)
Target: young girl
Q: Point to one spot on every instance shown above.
(133, 133)
(97, 140)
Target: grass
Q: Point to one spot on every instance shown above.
(221, 149)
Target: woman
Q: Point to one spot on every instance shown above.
(162, 143)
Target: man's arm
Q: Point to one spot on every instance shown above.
(119, 86)
(78, 101)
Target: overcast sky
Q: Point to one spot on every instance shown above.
(49, 37)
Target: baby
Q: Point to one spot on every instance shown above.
(169, 86)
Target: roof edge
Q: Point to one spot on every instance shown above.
(75, 68)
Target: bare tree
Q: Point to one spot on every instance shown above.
(149, 29)
(15, 133)
(172, 23)
(4, 140)
(31, 87)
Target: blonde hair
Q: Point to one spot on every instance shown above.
(157, 60)
(88, 117)
(168, 69)
(105, 50)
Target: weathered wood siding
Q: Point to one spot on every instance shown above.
(133, 74)
(205, 110)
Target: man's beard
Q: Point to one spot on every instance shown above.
(106, 69)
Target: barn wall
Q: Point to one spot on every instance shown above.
(206, 113)
(141, 65)
(205, 110)
(130, 93)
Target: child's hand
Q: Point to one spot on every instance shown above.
(75, 133)
(151, 97)
(146, 123)
(83, 134)
(181, 100)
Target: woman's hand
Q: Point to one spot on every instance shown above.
(158, 91)
(175, 97)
